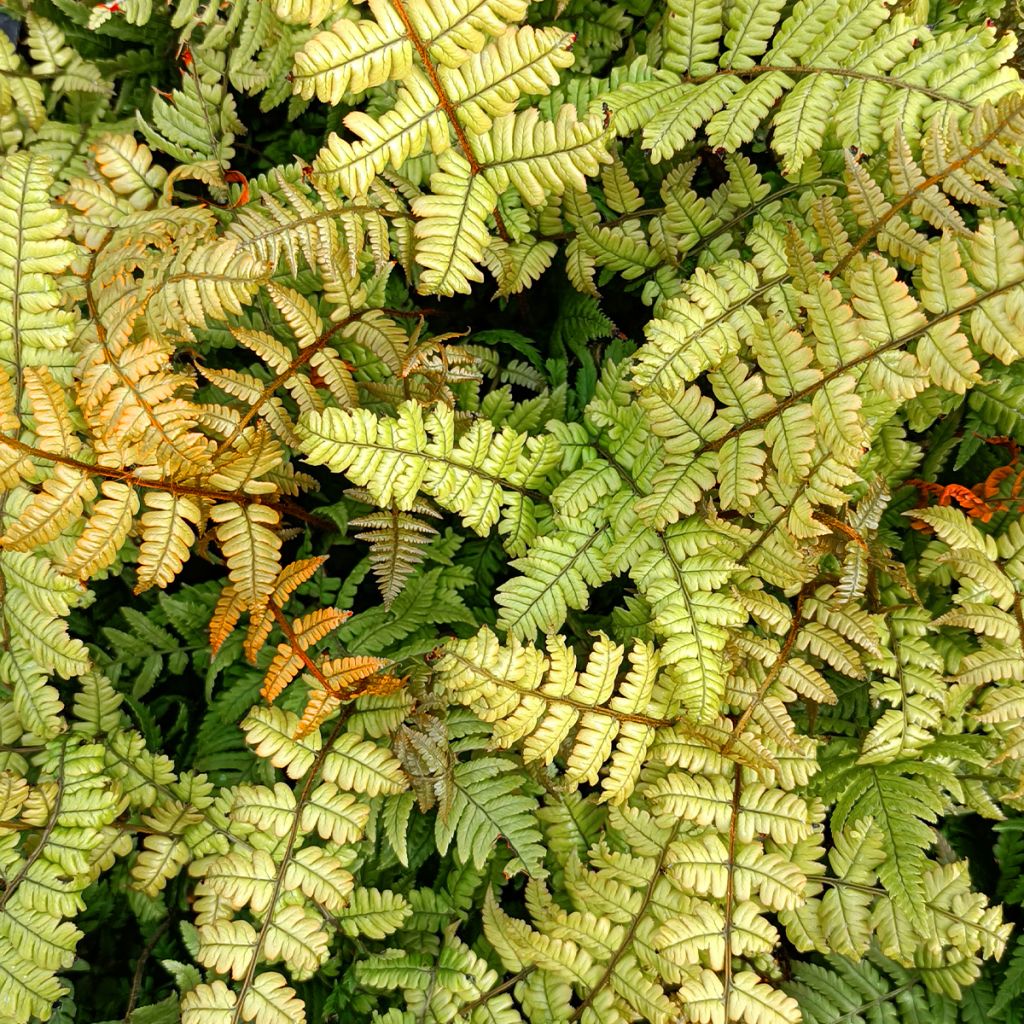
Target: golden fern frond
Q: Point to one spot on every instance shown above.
(541, 699)
(250, 389)
(380, 335)
(13, 464)
(254, 453)
(137, 406)
(342, 674)
(105, 532)
(167, 536)
(48, 403)
(246, 534)
(58, 502)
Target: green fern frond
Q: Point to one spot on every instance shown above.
(487, 805)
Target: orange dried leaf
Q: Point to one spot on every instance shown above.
(238, 178)
(840, 527)
(1017, 484)
(967, 500)
(927, 488)
(992, 482)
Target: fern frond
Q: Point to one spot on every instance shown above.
(843, 988)
(32, 235)
(397, 540)
(451, 228)
(886, 794)
(487, 803)
(766, 523)
(353, 56)
(542, 701)
(167, 537)
(251, 547)
(396, 459)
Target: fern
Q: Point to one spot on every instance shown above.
(484, 476)
(485, 807)
(396, 541)
(637, 638)
(543, 699)
(849, 991)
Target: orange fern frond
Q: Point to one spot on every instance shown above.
(308, 629)
(226, 614)
(343, 673)
(320, 704)
(381, 686)
(989, 487)
(284, 667)
(1018, 484)
(970, 502)
(360, 683)
(261, 618)
(292, 576)
(291, 656)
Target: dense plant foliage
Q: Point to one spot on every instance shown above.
(511, 512)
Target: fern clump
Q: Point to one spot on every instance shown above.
(511, 512)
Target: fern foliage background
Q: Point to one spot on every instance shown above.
(510, 512)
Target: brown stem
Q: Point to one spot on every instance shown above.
(133, 995)
(508, 983)
(300, 651)
(109, 473)
(730, 890)
(445, 103)
(300, 360)
(918, 189)
(771, 675)
(766, 532)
